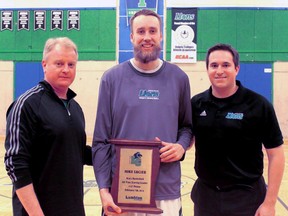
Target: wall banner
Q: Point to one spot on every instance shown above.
(56, 20)
(133, 6)
(23, 20)
(39, 20)
(184, 35)
(6, 20)
(73, 19)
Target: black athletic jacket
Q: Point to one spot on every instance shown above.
(46, 145)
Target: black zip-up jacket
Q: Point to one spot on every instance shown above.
(46, 146)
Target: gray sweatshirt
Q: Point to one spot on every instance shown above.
(142, 106)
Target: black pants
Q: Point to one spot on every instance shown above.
(239, 200)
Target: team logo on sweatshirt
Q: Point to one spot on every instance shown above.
(145, 94)
(231, 115)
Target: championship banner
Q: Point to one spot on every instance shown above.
(6, 20)
(73, 19)
(184, 35)
(56, 20)
(39, 20)
(132, 6)
(23, 20)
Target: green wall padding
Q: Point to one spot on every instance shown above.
(258, 34)
(96, 39)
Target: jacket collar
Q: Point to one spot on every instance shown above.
(70, 94)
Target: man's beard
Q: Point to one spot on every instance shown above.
(146, 57)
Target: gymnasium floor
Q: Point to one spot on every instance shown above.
(93, 203)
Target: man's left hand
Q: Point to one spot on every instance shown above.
(170, 151)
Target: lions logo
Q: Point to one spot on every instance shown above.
(136, 159)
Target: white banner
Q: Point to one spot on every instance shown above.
(184, 35)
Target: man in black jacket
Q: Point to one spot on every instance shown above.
(46, 140)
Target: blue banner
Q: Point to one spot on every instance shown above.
(132, 6)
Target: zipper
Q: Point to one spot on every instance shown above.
(66, 104)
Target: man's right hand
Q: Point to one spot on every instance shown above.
(108, 204)
(29, 200)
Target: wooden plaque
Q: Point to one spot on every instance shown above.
(137, 168)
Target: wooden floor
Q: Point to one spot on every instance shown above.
(93, 203)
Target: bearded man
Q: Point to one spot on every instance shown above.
(144, 98)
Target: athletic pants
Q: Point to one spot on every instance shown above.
(236, 200)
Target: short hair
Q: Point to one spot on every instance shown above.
(145, 12)
(225, 47)
(63, 41)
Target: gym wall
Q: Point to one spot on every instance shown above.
(259, 34)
